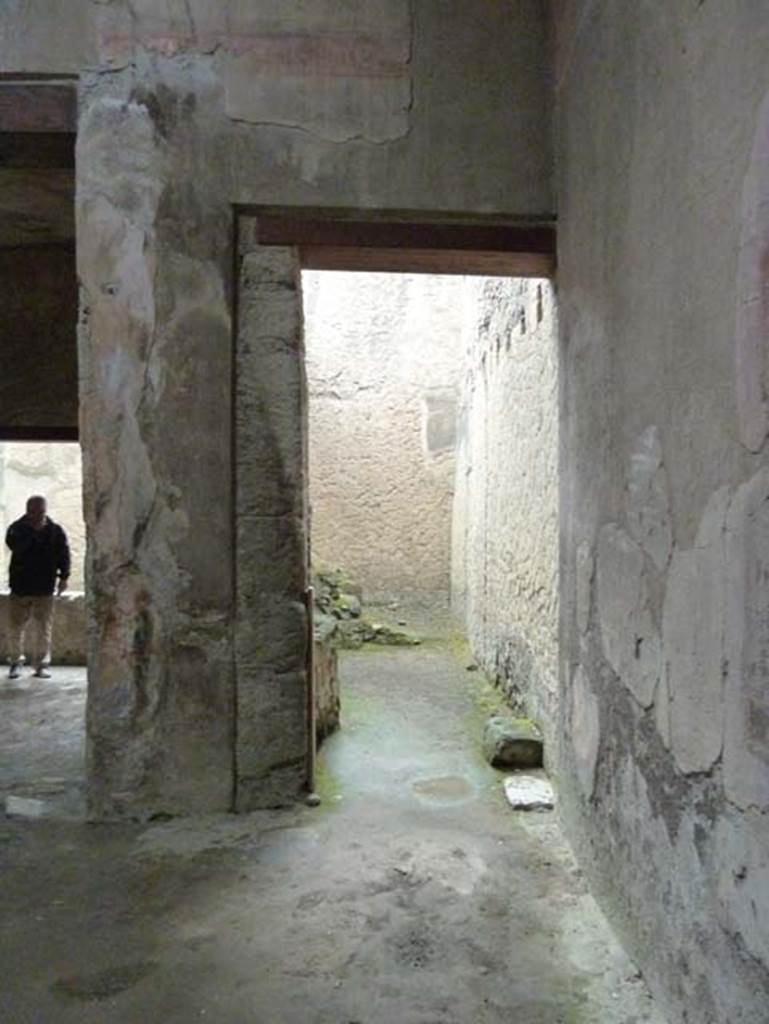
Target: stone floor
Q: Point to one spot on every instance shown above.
(42, 739)
(413, 895)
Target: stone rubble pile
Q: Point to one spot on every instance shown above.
(340, 601)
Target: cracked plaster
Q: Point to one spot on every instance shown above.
(752, 292)
(746, 743)
(628, 634)
(585, 574)
(662, 239)
(693, 643)
(585, 725)
(648, 502)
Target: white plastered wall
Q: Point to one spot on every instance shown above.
(384, 357)
(505, 524)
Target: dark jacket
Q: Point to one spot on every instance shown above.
(39, 556)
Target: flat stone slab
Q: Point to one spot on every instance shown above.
(528, 793)
(25, 807)
(511, 743)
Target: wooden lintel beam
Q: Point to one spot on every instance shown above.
(38, 107)
(21, 433)
(377, 234)
(427, 261)
(43, 245)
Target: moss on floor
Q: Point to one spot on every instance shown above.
(327, 786)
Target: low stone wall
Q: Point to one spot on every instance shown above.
(69, 633)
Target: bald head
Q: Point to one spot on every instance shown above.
(37, 507)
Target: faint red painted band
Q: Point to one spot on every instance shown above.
(327, 55)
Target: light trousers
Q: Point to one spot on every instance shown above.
(36, 612)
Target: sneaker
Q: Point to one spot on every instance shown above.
(14, 671)
(42, 673)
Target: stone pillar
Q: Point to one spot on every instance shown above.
(155, 419)
(271, 517)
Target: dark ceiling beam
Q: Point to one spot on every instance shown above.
(38, 107)
(38, 122)
(350, 240)
(427, 261)
(277, 229)
(41, 245)
(15, 433)
(345, 240)
(36, 151)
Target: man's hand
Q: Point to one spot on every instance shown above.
(62, 586)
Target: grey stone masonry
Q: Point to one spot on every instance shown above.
(271, 547)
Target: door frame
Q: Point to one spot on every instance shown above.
(274, 750)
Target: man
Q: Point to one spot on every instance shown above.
(39, 566)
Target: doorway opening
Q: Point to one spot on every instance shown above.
(432, 405)
(42, 763)
(508, 321)
(42, 758)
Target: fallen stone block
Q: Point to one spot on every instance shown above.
(25, 807)
(511, 743)
(529, 793)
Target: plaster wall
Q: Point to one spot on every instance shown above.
(354, 104)
(384, 353)
(184, 113)
(53, 469)
(662, 126)
(505, 517)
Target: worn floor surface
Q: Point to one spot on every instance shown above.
(413, 895)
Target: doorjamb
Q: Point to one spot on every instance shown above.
(329, 239)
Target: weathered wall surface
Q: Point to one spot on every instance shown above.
(384, 353)
(184, 112)
(55, 471)
(663, 127)
(155, 343)
(38, 337)
(271, 566)
(505, 522)
(355, 104)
